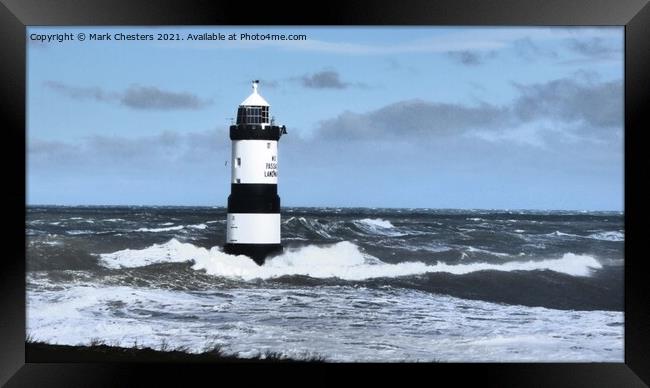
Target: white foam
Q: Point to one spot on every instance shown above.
(53, 242)
(608, 236)
(562, 234)
(603, 236)
(342, 323)
(78, 232)
(167, 229)
(378, 226)
(172, 251)
(376, 222)
(172, 228)
(500, 254)
(342, 260)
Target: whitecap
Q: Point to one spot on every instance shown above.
(343, 260)
(376, 222)
(608, 236)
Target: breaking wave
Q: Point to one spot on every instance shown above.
(376, 223)
(342, 260)
(172, 228)
(603, 236)
(337, 229)
(608, 236)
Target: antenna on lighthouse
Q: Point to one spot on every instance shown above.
(255, 84)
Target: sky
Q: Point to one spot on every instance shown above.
(415, 117)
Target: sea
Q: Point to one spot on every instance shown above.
(352, 285)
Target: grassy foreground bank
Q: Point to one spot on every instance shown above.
(41, 352)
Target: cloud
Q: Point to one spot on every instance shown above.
(149, 97)
(165, 150)
(578, 104)
(81, 93)
(600, 105)
(135, 97)
(595, 48)
(414, 118)
(327, 79)
(470, 58)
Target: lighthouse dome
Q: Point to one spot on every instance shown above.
(254, 99)
(254, 110)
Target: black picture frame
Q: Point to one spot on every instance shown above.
(16, 15)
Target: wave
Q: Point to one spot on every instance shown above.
(172, 228)
(500, 254)
(557, 233)
(321, 229)
(341, 229)
(172, 251)
(376, 222)
(343, 260)
(79, 232)
(167, 229)
(603, 236)
(415, 325)
(608, 236)
(377, 226)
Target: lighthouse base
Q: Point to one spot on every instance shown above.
(257, 252)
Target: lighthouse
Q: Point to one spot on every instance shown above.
(253, 223)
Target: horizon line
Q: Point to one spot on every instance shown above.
(333, 207)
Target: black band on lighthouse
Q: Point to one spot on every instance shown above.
(251, 203)
(255, 132)
(257, 252)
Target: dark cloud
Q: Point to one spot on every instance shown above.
(414, 118)
(581, 103)
(135, 97)
(599, 105)
(594, 48)
(149, 97)
(470, 58)
(327, 79)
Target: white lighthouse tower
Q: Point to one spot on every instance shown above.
(253, 225)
